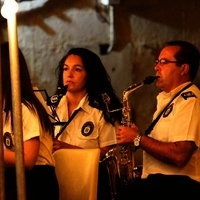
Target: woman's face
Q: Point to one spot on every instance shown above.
(74, 74)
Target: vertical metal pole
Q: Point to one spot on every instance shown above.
(2, 185)
(16, 105)
(111, 28)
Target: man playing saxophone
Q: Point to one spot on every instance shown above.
(171, 144)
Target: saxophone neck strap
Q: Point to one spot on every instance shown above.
(153, 123)
(67, 123)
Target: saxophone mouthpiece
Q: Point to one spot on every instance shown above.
(150, 79)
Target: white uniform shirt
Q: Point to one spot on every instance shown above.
(31, 128)
(88, 129)
(181, 122)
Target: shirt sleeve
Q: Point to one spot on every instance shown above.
(30, 124)
(107, 134)
(186, 123)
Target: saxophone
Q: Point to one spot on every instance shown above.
(126, 160)
(121, 166)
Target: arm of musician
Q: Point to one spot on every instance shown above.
(176, 153)
(104, 150)
(31, 151)
(62, 145)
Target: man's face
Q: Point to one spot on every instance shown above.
(170, 75)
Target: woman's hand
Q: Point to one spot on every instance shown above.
(62, 145)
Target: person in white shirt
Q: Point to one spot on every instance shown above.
(37, 134)
(171, 154)
(93, 126)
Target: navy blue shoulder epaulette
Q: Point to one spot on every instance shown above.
(188, 94)
(150, 128)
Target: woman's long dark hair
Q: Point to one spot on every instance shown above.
(28, 96)
(98, 83)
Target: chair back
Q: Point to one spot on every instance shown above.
(77, 173)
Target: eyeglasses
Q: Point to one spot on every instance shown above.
(164, 62)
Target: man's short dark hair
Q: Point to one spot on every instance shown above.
(188, 54)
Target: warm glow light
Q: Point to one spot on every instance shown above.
(9, 8)
(105, 2)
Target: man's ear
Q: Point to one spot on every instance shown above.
(184, 69)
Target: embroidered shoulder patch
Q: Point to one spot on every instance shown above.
(187, 95)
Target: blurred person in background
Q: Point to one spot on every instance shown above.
(40, 178)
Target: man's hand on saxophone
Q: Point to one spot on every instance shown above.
(127, 134)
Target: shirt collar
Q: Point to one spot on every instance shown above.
(173, 92)
(83, 104)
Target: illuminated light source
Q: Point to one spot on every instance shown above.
(105, 2)
(9, 8)
(109, 2)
